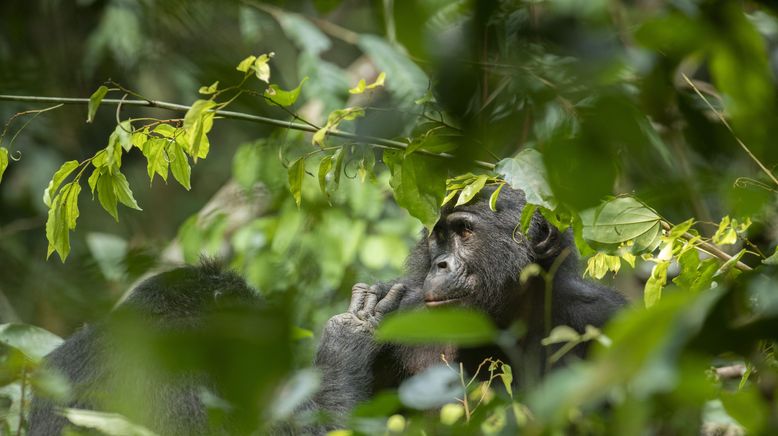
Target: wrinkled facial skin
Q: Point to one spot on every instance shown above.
(476, 254)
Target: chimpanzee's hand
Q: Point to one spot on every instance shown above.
(352, 332)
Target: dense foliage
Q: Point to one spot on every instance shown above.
(644, 127)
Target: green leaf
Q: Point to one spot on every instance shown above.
(3, 161)
(245, 64)
(70, 204)
(296, 174)
(334, 119)
(452, 326)
(34, 342)
(408, 80)
(598, 265)
(653, 289)
(493, 198)
(197, 123)
(470, 191)
(262, 68)
(725, 234)
(620, 220)
(94, 102)
(362, 86)
(57, 179)
(324, 169)
(123, 192)
(111, 424)
(210, 89)
(157, 162)
(107, 195)
(179, 164)
(281, 97)
(561, 334)
(62, 217)
(124, 134)
(507, 378)
(418, 184)
(527, 172)
(526, 217)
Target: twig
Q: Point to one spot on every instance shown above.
(370, 140)
(711, 249)
(723, 120)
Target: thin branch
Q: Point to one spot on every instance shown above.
(370, 140)
(711, 249)
(723, 120)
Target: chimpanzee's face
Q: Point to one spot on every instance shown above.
(476, 254)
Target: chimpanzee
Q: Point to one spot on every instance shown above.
(181, 337)
(473, 257)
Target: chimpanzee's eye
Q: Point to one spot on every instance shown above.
(463, 228)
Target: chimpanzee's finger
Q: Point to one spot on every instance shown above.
(392, 299)
(367, 310)
(358, 294)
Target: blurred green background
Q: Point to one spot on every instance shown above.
(597, 86)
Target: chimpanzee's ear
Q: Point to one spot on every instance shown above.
(547, 243)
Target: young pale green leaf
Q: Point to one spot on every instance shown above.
(139, 138)
(620, 220)
(493, 198)
(324, 168)
(409, 82)
(507, 378)
(418, 184)
(92, 181)
(598, 265)
(262, 68)
(3, 161)
(157, 162)
(653, 289)
(113, 152)
(70, 203)
(107, 195)
(94, 102)
(470, 191)
(561, 334)
(725, 234)
(245, 64)
(197, 123)
(124, 134)
(451, 326)
(210, 89)
(296, 174)
(450, 196)
(62, 217)
(111, 424)
(34, 342)
(334, 119)
(527, 172)
(123, 192)
(362, 86)
(179, 164)
(526, 217)
(281, 97)
(680, 229)
(57, 179)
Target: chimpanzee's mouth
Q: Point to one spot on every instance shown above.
(430, 302)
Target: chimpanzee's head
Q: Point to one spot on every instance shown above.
(476, 255)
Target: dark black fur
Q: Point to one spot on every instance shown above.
(109, 374)
(478, 255)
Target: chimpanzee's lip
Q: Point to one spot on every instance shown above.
(431, 303)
